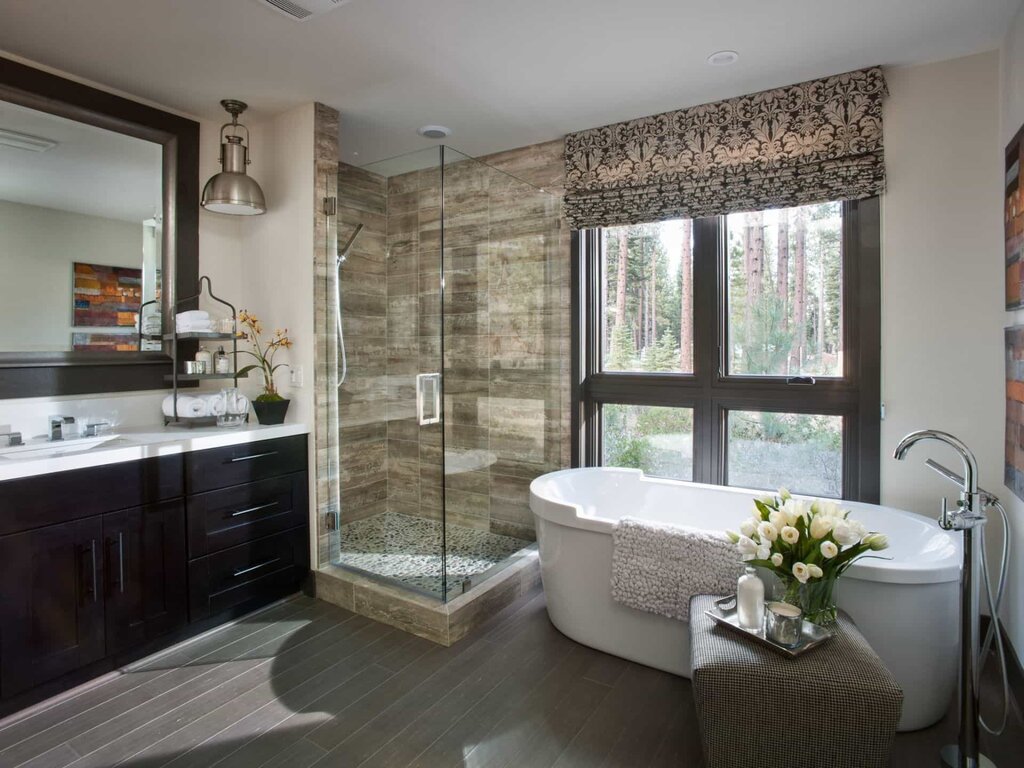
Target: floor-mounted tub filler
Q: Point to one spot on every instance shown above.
(969, 518)
(906, 607)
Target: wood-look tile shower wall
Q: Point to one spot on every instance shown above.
(506, 378)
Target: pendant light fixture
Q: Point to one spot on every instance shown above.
(232, 191)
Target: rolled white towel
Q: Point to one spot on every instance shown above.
(188, 406)
(215, 404)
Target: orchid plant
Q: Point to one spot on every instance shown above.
(265, 352)
(807, 544)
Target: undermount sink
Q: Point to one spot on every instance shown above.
(41, 448)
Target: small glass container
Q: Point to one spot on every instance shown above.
(194, 366)
(226, 325)
(205, 358)
(783, 624)
(221, 361)
(750, 600)
(235, 408)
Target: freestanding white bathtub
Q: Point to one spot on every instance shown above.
(906, 607)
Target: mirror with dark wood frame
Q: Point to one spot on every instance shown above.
(105, 354)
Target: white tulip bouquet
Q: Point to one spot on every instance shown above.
(808, 545)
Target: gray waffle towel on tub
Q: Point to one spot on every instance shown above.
(658, 568)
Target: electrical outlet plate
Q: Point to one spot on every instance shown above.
(295, 378)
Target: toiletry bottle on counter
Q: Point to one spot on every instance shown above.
(205, 358)
(222, 363)
(750, 600)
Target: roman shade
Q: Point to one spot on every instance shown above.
(806, 143)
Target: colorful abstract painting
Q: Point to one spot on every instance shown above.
(106, 297)
(104, 342)
(1014, 467)
(1013, 221)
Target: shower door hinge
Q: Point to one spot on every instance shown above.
(330, 206)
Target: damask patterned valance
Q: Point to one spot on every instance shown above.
(807, 143)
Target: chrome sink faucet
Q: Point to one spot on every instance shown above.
(57, 424)
(10, 439)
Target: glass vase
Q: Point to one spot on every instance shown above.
(814, 598)
(817, 602)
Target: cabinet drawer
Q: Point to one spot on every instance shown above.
(249, 574)
(237, 464)
(232, 516)
(34, 502)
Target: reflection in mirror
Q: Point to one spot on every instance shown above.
(81, 235)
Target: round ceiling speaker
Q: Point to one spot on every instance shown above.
(434, 131)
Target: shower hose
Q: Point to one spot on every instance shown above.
(994, 634)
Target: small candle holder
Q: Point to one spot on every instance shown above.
(783, 624)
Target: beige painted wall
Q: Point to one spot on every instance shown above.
(37, 249)
(942, 316)
(1012, 116)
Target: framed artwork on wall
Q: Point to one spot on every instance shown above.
(106, 297)
(104, 342)
(1014, 464)
(1013, 221)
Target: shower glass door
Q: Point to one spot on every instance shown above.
(390, 407)
(501, 315)
(451, 298)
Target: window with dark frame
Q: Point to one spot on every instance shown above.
(737, 350)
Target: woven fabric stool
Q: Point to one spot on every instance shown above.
(836, 706)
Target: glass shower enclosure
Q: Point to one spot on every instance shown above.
(452, 353)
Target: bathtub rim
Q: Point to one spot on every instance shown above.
(569, 514)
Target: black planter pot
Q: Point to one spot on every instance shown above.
(270, 411)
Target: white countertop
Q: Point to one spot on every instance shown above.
(137, 443)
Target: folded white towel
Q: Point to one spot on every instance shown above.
(658, 568)
(186, 327)
(193, 315)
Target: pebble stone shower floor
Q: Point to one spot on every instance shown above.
(408, 549)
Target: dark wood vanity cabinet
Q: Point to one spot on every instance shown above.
(51, 607)
(248, 524)
(144, 573)
(88, 581)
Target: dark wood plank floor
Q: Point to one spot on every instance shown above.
(305, 683)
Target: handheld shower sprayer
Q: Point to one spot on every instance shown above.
(340, 258)
(968, 516)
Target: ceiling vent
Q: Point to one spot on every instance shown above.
(302, 10)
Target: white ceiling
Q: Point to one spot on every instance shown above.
(500, 74)
(91, 170)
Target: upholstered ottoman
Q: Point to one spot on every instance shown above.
(836, 706)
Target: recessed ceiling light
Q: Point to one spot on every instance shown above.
(434, 131)
(25, 141)
(723, 58)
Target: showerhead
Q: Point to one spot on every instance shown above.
(343, 251)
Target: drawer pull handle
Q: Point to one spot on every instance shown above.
(254, 509)
(253, 456)
(252, 568)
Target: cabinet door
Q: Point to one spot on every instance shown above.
(146, 592)
(51, 603)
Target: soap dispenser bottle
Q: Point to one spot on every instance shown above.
(750, 600)
(221, 361)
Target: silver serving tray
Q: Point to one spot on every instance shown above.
(811, 636)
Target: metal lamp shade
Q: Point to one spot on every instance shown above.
(231, 191)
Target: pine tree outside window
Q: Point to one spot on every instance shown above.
(740, 349)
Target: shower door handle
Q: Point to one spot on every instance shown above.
(428, 398)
